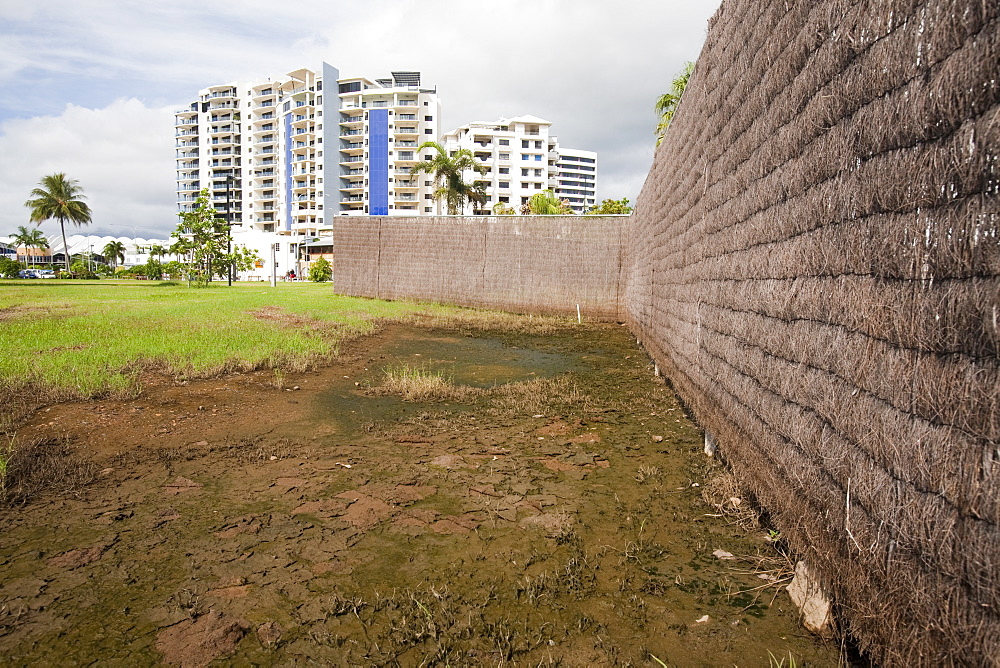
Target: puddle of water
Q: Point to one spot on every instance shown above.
(479, 362)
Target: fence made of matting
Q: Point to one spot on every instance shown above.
(814, 262)
(530, 264)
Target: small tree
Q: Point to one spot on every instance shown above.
(200, 236)
(503, 209)
(611, 207)
(320, 271)
(9, 268)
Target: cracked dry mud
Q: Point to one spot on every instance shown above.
(241, 521)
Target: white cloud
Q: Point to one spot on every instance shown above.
(121, 155)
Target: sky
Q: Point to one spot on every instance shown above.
(90, 86)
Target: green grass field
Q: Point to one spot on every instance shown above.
(69, 340)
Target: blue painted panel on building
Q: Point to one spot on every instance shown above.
(378, 162)
(289, 168)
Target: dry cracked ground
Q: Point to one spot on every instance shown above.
(544, 506)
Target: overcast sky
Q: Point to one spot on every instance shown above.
(90, 86)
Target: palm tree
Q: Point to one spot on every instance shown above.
(114, 252)
(546, 203)
(666, 105)
(60, 198)
(447, 171)
(29, 239)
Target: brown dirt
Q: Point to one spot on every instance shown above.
(241, 520)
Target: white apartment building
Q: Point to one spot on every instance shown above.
(522, 158)
(287, 155)
(574, 179)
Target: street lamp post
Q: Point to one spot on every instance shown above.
(229, 229)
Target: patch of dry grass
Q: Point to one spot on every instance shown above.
(422, 384)
(30, 468)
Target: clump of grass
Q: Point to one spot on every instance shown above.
(537, 396)
(647, 473)
(30, 468)
(722, 491)
(422, 384)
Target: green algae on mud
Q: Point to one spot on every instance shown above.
(289, 529)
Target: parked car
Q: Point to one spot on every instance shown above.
(28, 273)
(45, 273)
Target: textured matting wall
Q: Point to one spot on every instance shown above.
(546, 264)
(814, 261)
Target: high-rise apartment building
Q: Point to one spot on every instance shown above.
(289, 154)
(522, 158)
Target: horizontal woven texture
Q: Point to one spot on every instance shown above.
(814, 262)
(530, 264)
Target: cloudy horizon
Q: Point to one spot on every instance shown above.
(92, 86)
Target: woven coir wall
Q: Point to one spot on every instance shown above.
(814, 261)
(546, 264)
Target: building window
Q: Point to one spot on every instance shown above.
(525, 156)
(524, 172)
(538, 172)
(538, 158)
(538, 144)
(538, 186)
(504, 142)
(524, 185)
(428, 118)
(428, 131)
(505, 184)
(525, 143)
(505, 156)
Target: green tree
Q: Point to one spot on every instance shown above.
(60, 198)
(320, 271)
(114, 252)
(29, 239)
(9, 268)
(667, 103)
(447, 171)
(546, 203)
(610, 207)
(200, 236)
(503, 209)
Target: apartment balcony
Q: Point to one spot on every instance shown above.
(225, 151)
(353, 187)
(183, 155)
(186, 133)
(190, 164)
(406, 131)
(350, 159)
(356, 148)
(406, 156)
(264, 187)
(230, 93)
(265, 172)
(300, 187)
(222, 105)
(267, 150)
(376, 104)
(405, 144)
(262, 207)
(224, 141)
(353, 172)
(263, 162)
(351, 133)
(192, 186)
(185, 143)
(266, 116)
(406, 117)
(406, 185)
(310, 131)
(263, 129)
(267, 104)
(406, 103)
(405, 198)
(353, 198)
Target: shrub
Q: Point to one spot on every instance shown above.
(320, 271)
